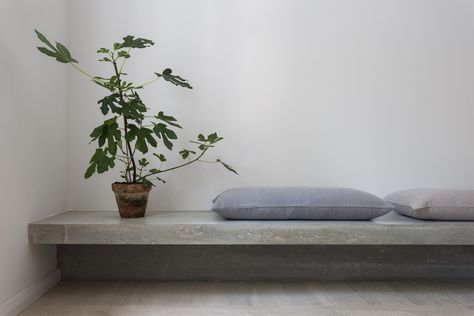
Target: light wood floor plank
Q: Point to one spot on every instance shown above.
(256, 299)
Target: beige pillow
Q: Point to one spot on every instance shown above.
(436, 204)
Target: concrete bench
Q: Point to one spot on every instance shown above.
(200, 245)
(207, 228)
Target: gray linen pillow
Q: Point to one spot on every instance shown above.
(277, 203)
(437, 204)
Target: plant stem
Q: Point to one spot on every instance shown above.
(178, 166)
(82, 71)
(207, 161)
(124, 60)
(148, 82)
(125, 124)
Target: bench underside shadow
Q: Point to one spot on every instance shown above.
(264, 262)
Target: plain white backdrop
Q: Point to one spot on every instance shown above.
(375, 95)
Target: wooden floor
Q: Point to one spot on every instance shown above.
(255, 299)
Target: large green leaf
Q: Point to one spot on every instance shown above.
(45, 51)
(60, 52)
(90, 170)
(109, 132)
(168, 119)
(130, 41)
(165, 134)
(134, 107)
(148, 134)
(64, 53)
(43, 38)
(176, 80)
(100, 162)
(110, 102)
(142, 136)
(131, 132)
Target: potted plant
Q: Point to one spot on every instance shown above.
(129, 130)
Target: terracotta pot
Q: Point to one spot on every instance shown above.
(131, 199)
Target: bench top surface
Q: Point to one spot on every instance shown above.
(208, 228)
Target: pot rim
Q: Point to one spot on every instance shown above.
(124, 187)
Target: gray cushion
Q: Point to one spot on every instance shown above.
(434, 204)
(299, 203)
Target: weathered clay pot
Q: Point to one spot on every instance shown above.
(131, 199)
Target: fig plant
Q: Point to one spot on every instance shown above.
(129, 130)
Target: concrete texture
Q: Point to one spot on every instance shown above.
(252, 263)
(207, 228)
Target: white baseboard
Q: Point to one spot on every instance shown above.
(23, 299)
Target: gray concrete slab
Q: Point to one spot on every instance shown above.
(208, 228)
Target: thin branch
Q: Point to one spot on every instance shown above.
(147, 83)
(124, 60)
(178, 166)
(83, 72)
(207, 161)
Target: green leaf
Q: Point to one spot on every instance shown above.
(90, 171)
(143, 162)
(164, 133)
(134, 108)
(64, 52)
(150, 139)
(201, 146)
(43, 38)
(103, 136)
(161, 157)
(98, 152)
(103, 51)
(201, 138)
(110, 102)
(131, 133)
(213, 138)
(106, 85)
(108, 132)
(130, 41)
(96, 132)
(227, 166)
(142, 136)
(123, 54)
(100, 162)
(168, 119)
(45, 51)
(111, 144)
(161, 180)
(60, 52)
(185, 153)
(147, 182)
(176, 80)
(141, 145)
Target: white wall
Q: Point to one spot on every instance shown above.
(33, 152)
(370, 94)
